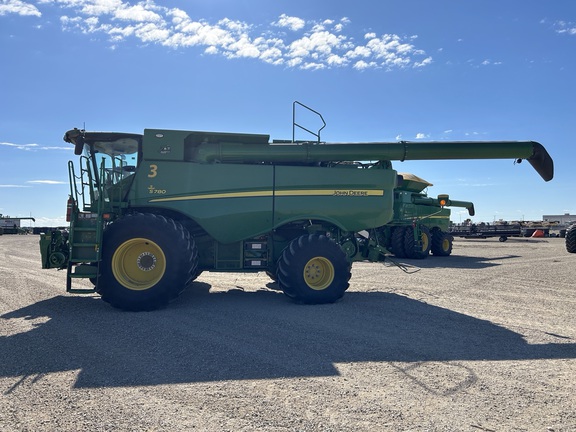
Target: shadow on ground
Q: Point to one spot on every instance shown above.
(239, 335)
(453, 261)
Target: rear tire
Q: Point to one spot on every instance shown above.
(147, 261)
(313, 270)
(571, 239)
(442, 243)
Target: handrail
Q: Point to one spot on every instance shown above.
(294, 124)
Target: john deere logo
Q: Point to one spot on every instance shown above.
(165, 149)
(350, 193)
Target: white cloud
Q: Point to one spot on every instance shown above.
(292, 23)
(359, 51)
(361, 65)
(12, 186)
(421, 135)
(336, 60)
(50, 182)
(20, 146)
(151, 32)
(32, 147)
(321, 43)
(18, 7)
(564, 27)
(137, 13)
(243, 48)
(311, 45)
(424, 62)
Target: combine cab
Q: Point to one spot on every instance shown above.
(156, 209)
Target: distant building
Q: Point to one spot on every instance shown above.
(8, 222)
(10, 225)
(564, 219)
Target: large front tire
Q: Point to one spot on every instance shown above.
(313, 269)
(147, 260)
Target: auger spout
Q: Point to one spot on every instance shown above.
(225, 152)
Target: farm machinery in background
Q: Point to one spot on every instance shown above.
(416, 215)
(149, 212)
(504, 229)
(571, 238)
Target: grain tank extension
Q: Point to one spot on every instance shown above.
(149, 212)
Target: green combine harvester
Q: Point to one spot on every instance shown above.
(422, 218)
(149, 212)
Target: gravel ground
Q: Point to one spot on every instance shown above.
(483, 340)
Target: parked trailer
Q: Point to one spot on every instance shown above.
(485, 231)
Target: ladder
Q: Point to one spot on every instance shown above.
(86, 228)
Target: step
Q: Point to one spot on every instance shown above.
(81, 272)
(85, 229)
(85, 259)
(84, 271)
(81, 290)
(84, 275)
(85, 245)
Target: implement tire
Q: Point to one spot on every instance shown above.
(147, 261)
(313, 270)
(571, 239)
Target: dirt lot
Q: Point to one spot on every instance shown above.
(483, 340)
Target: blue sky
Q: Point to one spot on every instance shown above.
(377, 71)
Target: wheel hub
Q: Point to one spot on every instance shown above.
(146, 261)
(424, 239)
(318, 273)
(138, 264)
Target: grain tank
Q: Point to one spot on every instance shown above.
(149, 212)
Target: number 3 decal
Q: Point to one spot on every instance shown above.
(153, 171)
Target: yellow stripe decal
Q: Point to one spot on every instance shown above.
(280, 193)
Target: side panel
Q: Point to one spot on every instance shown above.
(352, 198)
(405, 210)
(231, 202)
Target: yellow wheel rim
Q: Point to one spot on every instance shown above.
(425, 241)
(318, 273)
(445, 245)
(138, 264)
